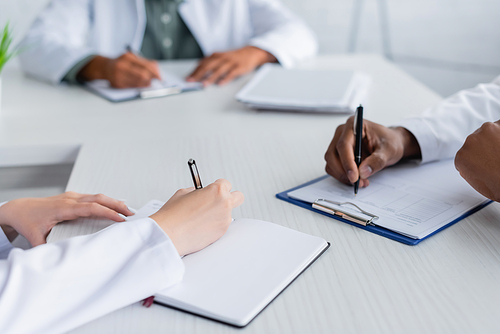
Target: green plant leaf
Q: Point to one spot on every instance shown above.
(6, 52)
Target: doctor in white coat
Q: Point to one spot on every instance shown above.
(53, 288)
(234, 36)
(465, 126)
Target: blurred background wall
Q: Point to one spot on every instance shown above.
(447, 44)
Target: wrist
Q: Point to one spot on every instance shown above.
(4, 220)
(411, 148)
(5, 225)
(11, 211)
(162, 222)
(262, 56)
(97, 68)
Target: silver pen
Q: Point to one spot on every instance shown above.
(194, 174)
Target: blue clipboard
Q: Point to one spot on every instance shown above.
(373, 229)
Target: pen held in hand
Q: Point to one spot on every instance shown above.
(194, 174)
(358, 133)
(197, 185)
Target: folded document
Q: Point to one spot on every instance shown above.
(276, 88)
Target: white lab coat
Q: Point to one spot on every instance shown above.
(442, 130)
(56, 287)
(68, 31)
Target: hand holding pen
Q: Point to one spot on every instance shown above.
(195, 175)
(196, 218)
(127, 71)
(380, 147)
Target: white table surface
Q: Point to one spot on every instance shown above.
(364, 283)
(38, 115)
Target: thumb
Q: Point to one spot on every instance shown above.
(372, 164)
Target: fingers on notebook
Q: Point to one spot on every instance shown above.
(93, 209)
(108, 202)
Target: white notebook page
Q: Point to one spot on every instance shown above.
(233, 279)
(410, 199)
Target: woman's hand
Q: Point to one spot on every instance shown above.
(195, 219)
(34, 218)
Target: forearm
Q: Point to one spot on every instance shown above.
(63, 285)
(9, 232)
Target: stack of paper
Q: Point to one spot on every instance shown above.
(276, 88)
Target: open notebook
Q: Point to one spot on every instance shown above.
(409, 200)
(235, 278)
(276, 88)
(170, 84)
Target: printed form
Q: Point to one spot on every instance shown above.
(413, 200)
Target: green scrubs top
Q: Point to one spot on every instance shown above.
(166, 36)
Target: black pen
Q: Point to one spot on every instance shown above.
(194, 174)
(358, 133)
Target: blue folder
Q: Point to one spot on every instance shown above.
(374, 229)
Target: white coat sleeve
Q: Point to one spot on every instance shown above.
(57, 40)
(442, 130)
(55, 287)
(278, 31)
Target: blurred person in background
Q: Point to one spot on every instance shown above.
(119, 40)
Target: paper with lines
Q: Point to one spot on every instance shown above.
(410, 199)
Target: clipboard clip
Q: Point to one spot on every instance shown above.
(361, 217)
(152, 93)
